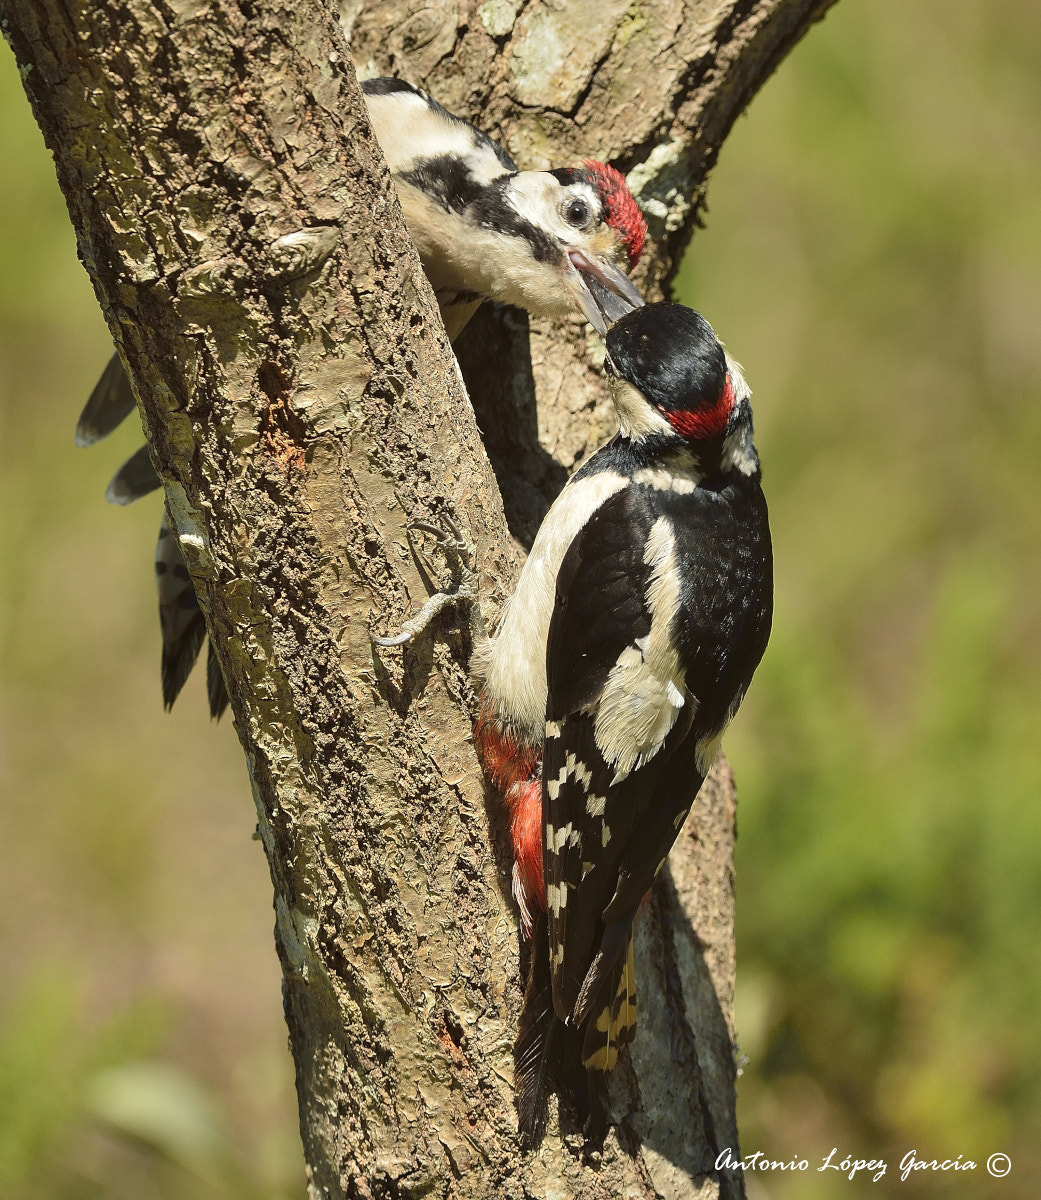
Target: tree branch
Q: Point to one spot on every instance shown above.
(303, 406)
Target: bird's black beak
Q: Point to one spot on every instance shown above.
(603, 291)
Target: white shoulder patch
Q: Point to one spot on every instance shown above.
(645, 689)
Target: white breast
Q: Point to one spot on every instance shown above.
(512, 663)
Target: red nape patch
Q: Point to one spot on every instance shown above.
(623, 213)
(700, 423)
(525, 805)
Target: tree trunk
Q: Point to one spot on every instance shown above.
(303, 406)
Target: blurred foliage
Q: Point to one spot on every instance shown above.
(873, 257)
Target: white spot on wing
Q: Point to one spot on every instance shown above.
(553, 785)
(557, 839)
(581, 772)
(595, 805)
(556, 898)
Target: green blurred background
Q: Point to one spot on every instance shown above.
(873, 257)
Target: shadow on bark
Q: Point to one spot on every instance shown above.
(495, 358)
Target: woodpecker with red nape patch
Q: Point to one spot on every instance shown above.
(640, 616)
(547, 241)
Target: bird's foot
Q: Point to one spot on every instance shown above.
(464, 591)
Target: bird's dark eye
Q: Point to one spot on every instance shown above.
(576, 213)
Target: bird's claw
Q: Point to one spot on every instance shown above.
(458, 550)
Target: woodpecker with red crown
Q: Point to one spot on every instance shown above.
(547, 241)
(640, 616)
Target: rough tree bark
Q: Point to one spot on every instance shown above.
(303, 406)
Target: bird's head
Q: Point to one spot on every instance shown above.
(580, 226)
(670, 375)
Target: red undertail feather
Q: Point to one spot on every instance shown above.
(623, 213)
(505, 760)
(515, 771)
(525, 804)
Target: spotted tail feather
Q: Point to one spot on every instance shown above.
(551, 1055)
(611, 1025)
(180, 618)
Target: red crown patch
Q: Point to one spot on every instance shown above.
(623, 213)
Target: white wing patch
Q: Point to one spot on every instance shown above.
(580, 771)
(556, 898)
(553, 786)
(595, 805)
(557, 839)
(644, 690)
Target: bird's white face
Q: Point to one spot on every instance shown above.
(546, 241)
(570, 214)
(576, 259)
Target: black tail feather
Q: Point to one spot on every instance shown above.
(536, 1050)
(134, 479)
(110, 401)
(215, 687)
(548, 1056)
(179, 657)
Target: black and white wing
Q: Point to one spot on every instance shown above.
(655, 634)
(617, 716)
